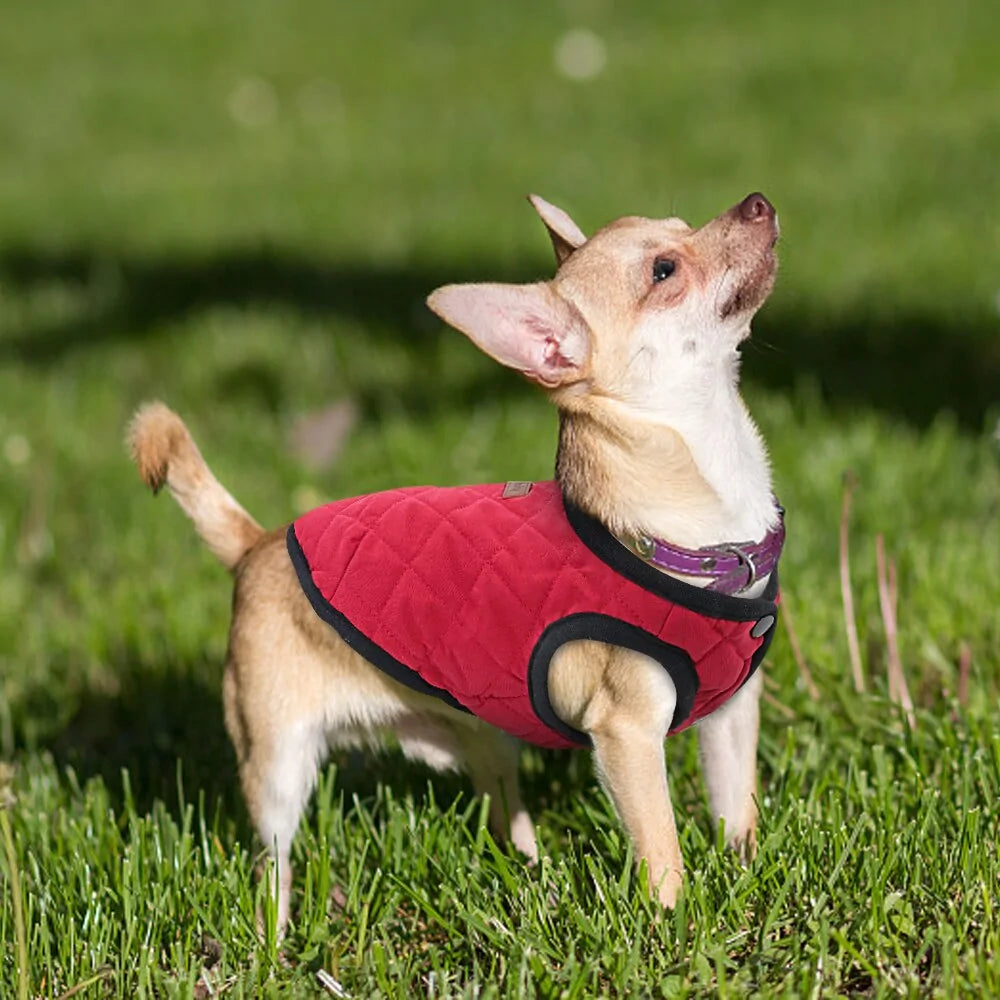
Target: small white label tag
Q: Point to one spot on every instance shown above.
(516, 488)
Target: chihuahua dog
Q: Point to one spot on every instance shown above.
(650, 562)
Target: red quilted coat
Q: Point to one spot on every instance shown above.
(466, 593)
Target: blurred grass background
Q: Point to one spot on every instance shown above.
(240, 207)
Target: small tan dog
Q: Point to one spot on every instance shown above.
(636, 341)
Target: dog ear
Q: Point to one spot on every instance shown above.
(563, 231)
(526, 327)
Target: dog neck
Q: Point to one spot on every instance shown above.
(695, 475)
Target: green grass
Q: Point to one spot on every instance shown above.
(239, 208)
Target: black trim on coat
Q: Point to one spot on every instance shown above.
(609, 550)
(604, 628)
(758, 657)
(355, 638)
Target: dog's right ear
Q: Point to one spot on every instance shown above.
(526, 327)
(565, 234)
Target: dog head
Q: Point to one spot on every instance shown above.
(640, 313)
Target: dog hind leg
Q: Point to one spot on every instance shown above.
(488, 756)
(492, 758)
(278, 777)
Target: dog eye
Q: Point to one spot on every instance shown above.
(663, 267)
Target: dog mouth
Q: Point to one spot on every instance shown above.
(752, 287)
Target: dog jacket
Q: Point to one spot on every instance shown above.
(466, 593)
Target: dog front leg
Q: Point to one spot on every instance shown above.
(630, 717)
(728, 743)
(634, 774)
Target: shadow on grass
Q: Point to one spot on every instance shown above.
(162, 716)
(129, 299)
(910, 365)
(166, 716)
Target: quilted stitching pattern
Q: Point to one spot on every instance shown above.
(458, 584)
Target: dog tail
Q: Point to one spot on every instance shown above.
(165, 452)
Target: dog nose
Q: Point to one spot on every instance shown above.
(755, 208)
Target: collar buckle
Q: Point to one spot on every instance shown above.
(644, 546)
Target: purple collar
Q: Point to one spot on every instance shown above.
(732, 567)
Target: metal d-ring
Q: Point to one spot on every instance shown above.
(745, 559)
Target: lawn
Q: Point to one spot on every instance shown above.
(239, 208)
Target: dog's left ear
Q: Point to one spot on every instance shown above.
(565, 234)
(530, 328)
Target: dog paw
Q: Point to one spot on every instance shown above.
(744, 844)
(522, 836)
(669, 888)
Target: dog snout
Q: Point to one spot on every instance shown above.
(755, 208)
